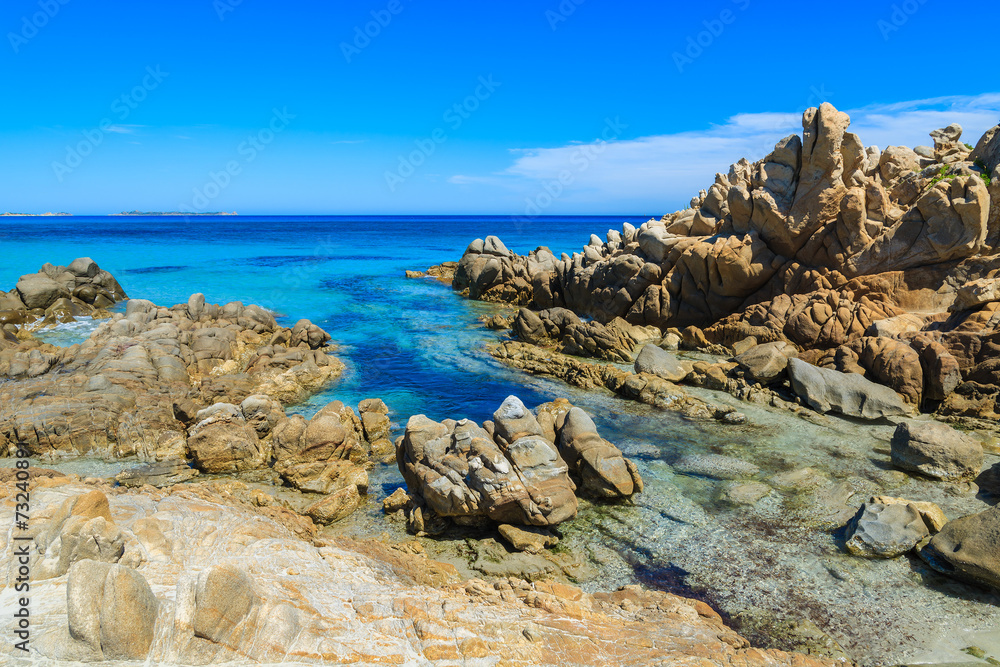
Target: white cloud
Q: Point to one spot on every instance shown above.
(123, 129)
(665, 171)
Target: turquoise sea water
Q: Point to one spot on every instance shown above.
(411, 342)
(419, 346)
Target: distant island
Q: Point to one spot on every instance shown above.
(157, 213)
(33, 215)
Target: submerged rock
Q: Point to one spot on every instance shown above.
(715, 465)
(936, 450)
(966, 548)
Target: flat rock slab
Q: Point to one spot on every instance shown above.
(527, 538)
(716, 466)
(159, 474)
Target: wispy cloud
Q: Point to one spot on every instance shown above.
(124, 129)
(667, 170)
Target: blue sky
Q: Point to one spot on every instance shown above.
(269, 108)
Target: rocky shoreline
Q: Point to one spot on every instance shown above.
(209, 545)
(828, 277)
(818, 329)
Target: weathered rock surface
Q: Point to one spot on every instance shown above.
(81, 529)
(515, 471)
(766, 363)
(846, 393)
(77, 289)
(527, 538)
(885, 531)
(222, 441)
(936, 450)
(824, 244)
(656, 361)
(111, 610)
(248, 590)
(136, 385)
(597, 465)
(966, 548)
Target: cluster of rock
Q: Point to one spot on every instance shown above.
(127, 389)
(195, 388)
(58, 294)
(825, 245)
(887, 527)
(520, 469)
(187, 577)
(842, 277)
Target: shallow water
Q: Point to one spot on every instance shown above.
(418, 346)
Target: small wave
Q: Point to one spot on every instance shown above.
(68, 333)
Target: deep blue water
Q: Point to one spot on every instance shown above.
(411, 342)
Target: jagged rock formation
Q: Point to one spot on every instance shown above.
(193, 388)
(850, 252)
(130, 388)
(217, 581)
(517, 469)
(58, 294)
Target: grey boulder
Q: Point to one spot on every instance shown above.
(885, 531)
(936, 450)
(656, 361)
(37, 290)
(766, 363)
(967, 548)
(849, 394)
